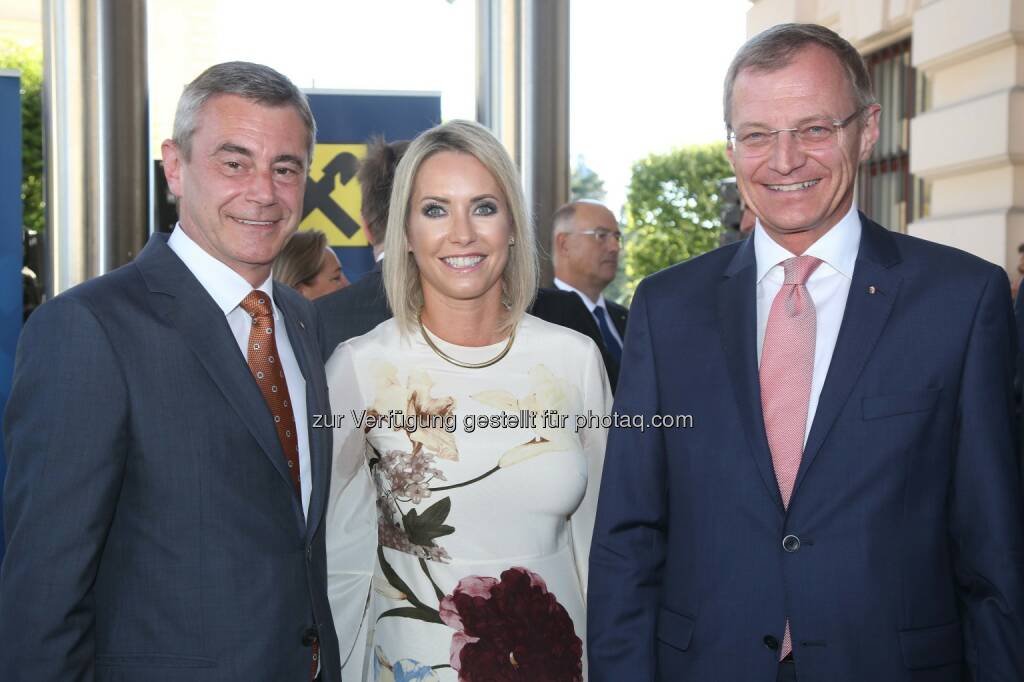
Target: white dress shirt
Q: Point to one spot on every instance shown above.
(559, 284)
(228, 288)
(828, 286)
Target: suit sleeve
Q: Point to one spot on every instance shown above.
(628, 550)
(66, 437)
(351, 521)
(986, 508)
(597, 400)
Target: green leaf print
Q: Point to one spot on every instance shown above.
(422, 529)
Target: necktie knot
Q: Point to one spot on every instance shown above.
(257, 304)
(799, 269)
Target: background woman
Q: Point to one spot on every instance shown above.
(463, 411)
(308, 265)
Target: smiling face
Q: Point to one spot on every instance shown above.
(458, 229)
(798, 193)
(240, 193)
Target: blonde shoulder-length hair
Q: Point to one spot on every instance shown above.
(401, 274)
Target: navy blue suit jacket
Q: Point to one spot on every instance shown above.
(910, 560)
(153, 532)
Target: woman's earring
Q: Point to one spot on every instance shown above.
(511, 241)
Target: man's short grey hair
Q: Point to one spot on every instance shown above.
(255, 82)
(563, 217)
(775, 48)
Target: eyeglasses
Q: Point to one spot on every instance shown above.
(814, 135)
(602, 235)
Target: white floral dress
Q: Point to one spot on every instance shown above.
(462, 505)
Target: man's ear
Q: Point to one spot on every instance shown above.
(560, 238)
(364, 226)
(172, 165)
(870, 132)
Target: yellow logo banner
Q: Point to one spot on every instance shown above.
(333, 201)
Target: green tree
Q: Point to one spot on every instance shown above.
(672, 208)
(585, 183)
(29, 61)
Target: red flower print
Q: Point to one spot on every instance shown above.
(511, 630)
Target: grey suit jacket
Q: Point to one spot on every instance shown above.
(153, 532)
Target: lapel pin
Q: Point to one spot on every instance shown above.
(304, 326)
(872, 289)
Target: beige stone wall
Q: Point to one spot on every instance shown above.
(969, 144)
(22, 32)
(21, 21)
(181, 44)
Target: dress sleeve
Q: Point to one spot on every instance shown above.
(597, 400)
(351, 512)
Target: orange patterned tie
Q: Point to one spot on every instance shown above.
(787, 368)
(266, 368)
(265, 364)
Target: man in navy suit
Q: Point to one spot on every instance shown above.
(165, 489)
(846, 505)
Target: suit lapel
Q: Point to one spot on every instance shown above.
(183, 302)
(306, 354)
(873, 292)
(737, 317)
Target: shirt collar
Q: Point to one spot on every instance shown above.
(586, 299)
(225, 286)
(838, 247)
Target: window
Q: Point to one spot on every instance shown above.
(887, 192)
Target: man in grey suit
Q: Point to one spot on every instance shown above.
(165, 491)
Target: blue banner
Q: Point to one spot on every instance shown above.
(345, 123)
(10, 244)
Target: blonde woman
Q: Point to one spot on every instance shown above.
(463, 450)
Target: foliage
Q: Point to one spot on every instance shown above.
(672, 209)
(29, 61)
(585, 183)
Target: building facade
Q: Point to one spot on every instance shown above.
(950, 77)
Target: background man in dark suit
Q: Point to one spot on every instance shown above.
(586, 253)
(846, 505)
(357, 309)
(165, 488)
(1018, 381)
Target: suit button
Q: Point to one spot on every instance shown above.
(309, 552)
(771, 642)
(309, 636)
(791, 543)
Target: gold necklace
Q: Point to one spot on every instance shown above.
(468, 365)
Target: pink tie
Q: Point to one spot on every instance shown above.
(787, 366)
